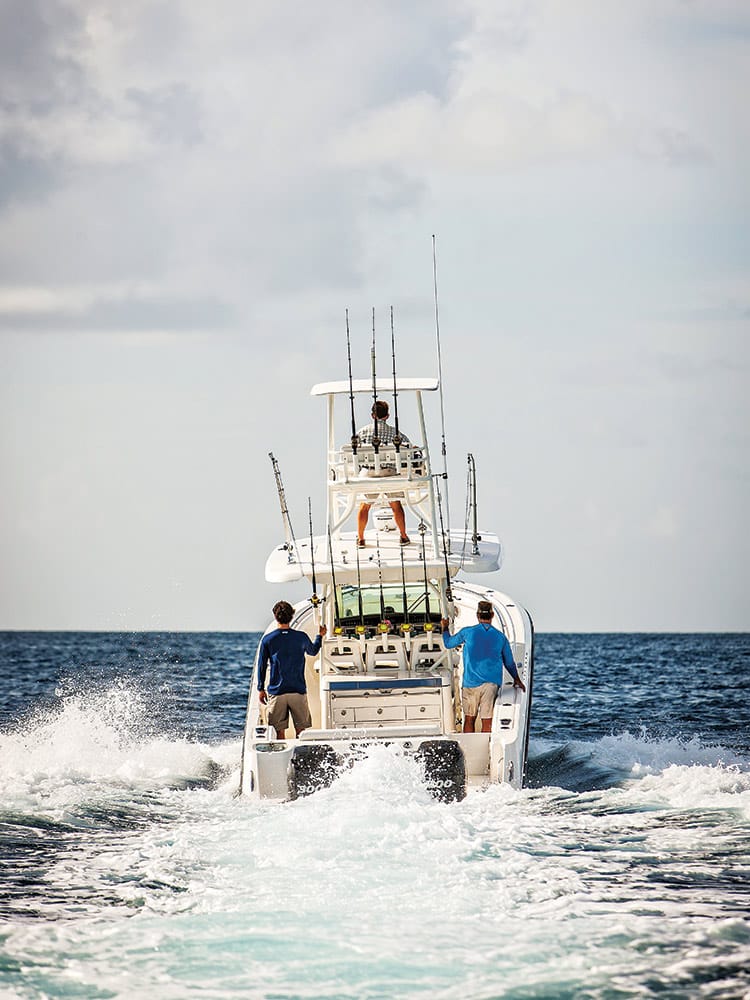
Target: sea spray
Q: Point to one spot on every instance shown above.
(129, 870)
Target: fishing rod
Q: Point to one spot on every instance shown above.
(380, 579)
(472, 492)
(355, 438)
(375, 435)
(361, 627)
(448, 592)
(337, 613)
(405, 627)
(291, 542)
(314, 600)
(440, 377)
(422, 529)
(397, 436)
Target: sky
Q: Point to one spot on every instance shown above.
(191, 196)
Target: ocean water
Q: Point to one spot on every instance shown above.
(131, 870)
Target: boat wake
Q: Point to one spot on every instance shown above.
(95, 751)
(101, 744)
(581, 766)
(127, 849)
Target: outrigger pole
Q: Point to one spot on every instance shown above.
(397, 436)
(314, 600)
(355, 438)
(440, 380)
(291, 542)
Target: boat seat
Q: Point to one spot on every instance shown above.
(427, 652)
(343, 655)
(384, 652)
(393, 464)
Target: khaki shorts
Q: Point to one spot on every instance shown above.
(281, 706)
(479, 701)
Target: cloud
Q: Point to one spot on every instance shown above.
(119, 309)
(513, 101)
(177, 147)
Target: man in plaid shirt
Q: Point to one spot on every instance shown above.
(386, 434)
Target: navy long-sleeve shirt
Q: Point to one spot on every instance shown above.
(284, 649)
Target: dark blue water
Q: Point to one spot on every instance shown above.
(130, 870)
(672, 685)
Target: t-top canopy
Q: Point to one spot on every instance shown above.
(383, 385)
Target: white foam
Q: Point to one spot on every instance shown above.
(372, 885)
(104, 739)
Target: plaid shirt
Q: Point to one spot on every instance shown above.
(386, 433)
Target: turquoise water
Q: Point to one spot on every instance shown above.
(130, 869)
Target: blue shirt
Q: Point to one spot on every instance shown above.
(285, 650)
(486, 649)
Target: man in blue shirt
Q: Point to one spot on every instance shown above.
(286, 692)
(486, 651)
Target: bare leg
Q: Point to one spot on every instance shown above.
(362, 515)
(400, 518)
(469, 721)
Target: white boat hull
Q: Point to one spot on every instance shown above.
(401, 690)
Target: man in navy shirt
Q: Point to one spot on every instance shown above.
(486, 651)
(286, 692)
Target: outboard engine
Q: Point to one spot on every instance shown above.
(313, 766)
(444, 769)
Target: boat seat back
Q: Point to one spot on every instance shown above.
(428, 652)
(343, 655)
(391, 462)
(385, 652)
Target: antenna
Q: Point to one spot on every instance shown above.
(355, 439)
(397, 436)
(440, 375)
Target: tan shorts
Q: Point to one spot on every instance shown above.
(281, 706)
(479, 701)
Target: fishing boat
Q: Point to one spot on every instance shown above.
(383, 674)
